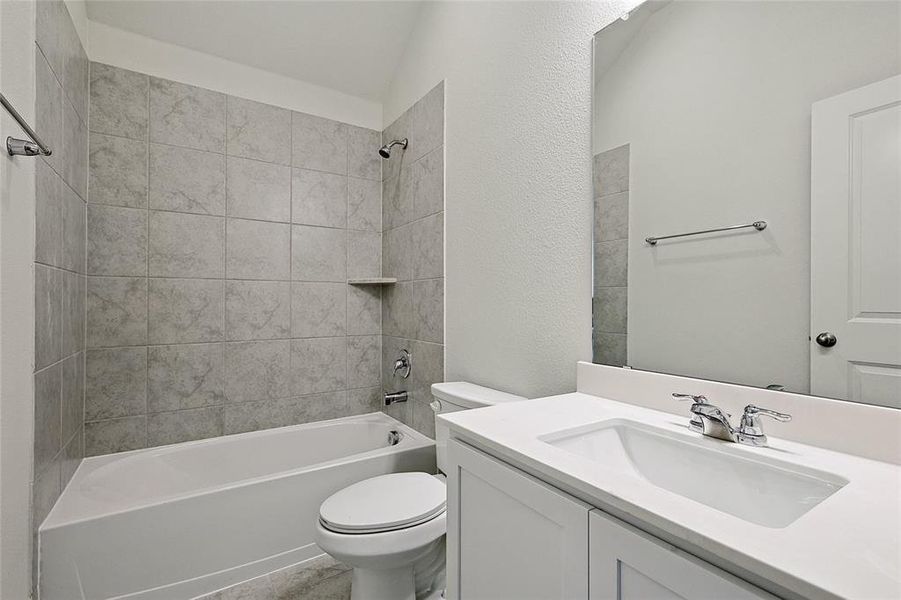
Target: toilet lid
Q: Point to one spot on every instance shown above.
(384, 503)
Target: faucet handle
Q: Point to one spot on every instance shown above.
(695, 424)
(750, 430)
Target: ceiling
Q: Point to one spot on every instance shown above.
(351, 46)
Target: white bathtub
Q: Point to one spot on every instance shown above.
(184, 520)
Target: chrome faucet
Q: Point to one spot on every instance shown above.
(712, 421)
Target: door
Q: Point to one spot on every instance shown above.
(855, 295)
(510, 536)
(628, 564)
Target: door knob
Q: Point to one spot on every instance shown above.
(827, 339)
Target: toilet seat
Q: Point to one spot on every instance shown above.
(384, 503)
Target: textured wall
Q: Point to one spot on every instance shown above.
(413, 251)
(59, 280)
(518, 220)
(221, 233)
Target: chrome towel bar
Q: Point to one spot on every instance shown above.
(17, 147)
(758, 225)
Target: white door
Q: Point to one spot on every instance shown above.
(510, 536)
(629, 564)
(855, 295)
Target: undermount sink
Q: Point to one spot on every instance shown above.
(762, 491)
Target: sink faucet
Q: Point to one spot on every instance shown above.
(713, 422)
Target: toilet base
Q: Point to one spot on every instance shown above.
(383, 584)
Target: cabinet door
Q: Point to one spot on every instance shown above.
(509, 536)
(629, 564)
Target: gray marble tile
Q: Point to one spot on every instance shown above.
(611, 263)
(397, 202)
(320, 581)
(74, 159)
(397, 249)
(423, 417)
(257, 310)
(71, 456)
(611, 217)
(397, 310)
(427, 126)
(186, 180)
(50, 20)
(73, 313)
(186, 310)
(118, 101)
(257, 370)
(48, 321)
(117, 240)
(117, 171)
(318, 309)
(75, 78)
(399, 129)
(184, 425)
(258, 190)
(610, 348)
(364, 361)
(610, 308)
(74, 215)
(183, 245)
(47, 422)
(611, 171)
(364, 254)
(429, 361)
(364, 204)
(318, 365)
(364, 309)
(115, 435)
(49, 110)
(115, 383)
(318, 254)
(426, 184)
(428, 247)
(281, 412)
(116, 311)
(48, 235)
(185, 376)
(428, 310)
(259, 250)
(73, 387)
(259, 588)
(319, 198)
(258, 131)
(363, 158)
(319, 144)
(188, 116)
(365, 400)
(46, 488)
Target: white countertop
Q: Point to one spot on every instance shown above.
(848, 546)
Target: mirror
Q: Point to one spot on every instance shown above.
(782, 120)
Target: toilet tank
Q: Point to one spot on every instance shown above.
(460, 395)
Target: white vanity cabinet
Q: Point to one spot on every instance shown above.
(628, 564)
(510, 535)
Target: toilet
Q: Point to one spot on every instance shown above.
(391, 528)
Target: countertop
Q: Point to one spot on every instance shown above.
(848, 546)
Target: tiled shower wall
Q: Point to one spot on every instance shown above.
(221, 233)
(611, 256)
(413, 252)
(59, 256)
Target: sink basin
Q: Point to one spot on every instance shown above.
(762, 490)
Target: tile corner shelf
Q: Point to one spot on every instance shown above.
(372, 281)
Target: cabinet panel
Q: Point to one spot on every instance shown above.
(511, 536)
(629, 564)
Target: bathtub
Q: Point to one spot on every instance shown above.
(184, 520)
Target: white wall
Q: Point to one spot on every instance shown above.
(714, 99)
(131, 51)
(17, 210)
(518, 182)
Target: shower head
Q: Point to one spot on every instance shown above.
(385, 151)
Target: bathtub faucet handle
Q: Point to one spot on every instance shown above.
(404, 364)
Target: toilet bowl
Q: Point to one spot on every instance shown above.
(391, 528)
